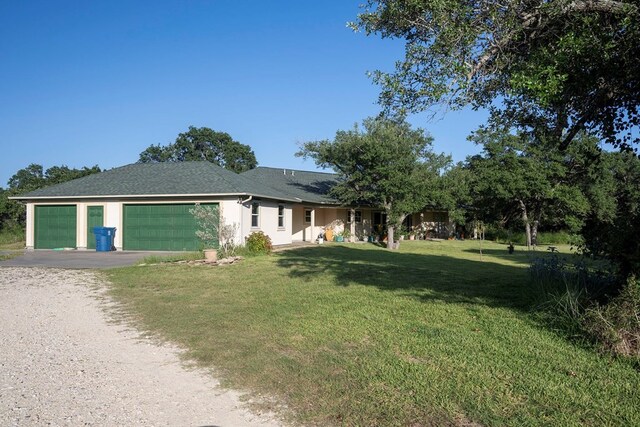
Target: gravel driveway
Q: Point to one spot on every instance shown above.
(62, 362)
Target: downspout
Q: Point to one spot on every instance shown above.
(241, 203)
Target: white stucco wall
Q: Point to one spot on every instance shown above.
(268, 220)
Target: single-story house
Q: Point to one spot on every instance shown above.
(149, 205)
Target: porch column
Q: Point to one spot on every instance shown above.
(81, 226)
(313, 225)
(30, 229)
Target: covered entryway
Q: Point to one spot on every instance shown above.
(55, 227)
(160, 227)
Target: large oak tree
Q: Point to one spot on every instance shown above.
(203, 144)
(575, 61)
(384, 164)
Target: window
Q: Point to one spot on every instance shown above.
(280, 216)
(358, 216)
(255, 214)
(307, 216)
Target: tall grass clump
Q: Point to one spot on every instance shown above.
(562, 290)
(616, 325)
(11, 236)
(588, 304)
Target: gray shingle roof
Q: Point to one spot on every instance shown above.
(312, 187)
(158, 179)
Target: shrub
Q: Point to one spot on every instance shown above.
(258, 243)
(616, 325)
(208, 220)
(501, 235)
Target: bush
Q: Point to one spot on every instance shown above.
(501, 235)
(258, 243)
(616, 325)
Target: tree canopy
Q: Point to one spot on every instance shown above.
(575, 59)
(520, 180)
(203, 144)
(31, 178)
(385, 164)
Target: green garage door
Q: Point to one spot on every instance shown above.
(95, 218)
(55, 227)
(160, 228)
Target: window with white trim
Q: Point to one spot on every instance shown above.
(255, 214)
(307, 216)
(280, 216)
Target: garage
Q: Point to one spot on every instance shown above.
(160, 227)
(55, 226)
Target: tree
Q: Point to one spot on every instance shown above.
(516, 177)
(12, 213)
(203, 144)
(455, 192)
(612, 229)
(385, 164)
(575, 59)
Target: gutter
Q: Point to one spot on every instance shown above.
(145, 196)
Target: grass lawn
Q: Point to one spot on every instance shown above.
(356, 335)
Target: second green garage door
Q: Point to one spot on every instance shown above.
(165, 227)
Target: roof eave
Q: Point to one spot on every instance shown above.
(149, 196)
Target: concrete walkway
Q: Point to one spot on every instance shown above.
(77, 259)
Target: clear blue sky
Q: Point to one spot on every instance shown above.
(96, 82)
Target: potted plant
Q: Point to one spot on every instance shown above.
(346, 234)
(328, 235)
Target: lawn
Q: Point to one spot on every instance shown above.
(345, 334)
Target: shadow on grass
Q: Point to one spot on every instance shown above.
(426, 277)
(520, 256)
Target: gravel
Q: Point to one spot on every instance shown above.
(63, 361)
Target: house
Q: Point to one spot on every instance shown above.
(149, 205)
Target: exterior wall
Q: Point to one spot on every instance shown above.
(300, 230)
(268, 220)
(428, 223)
(113, 216)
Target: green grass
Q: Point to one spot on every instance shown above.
(183, 256)
(356, 335)
(12, 238)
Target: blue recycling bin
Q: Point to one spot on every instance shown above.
(104, 238)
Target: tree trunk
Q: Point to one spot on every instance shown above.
(389, 236)
(527, 225)
(352, 226)
(534, 233)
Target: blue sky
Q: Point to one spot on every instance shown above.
(96, 82)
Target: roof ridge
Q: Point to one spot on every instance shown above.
(290, 169)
